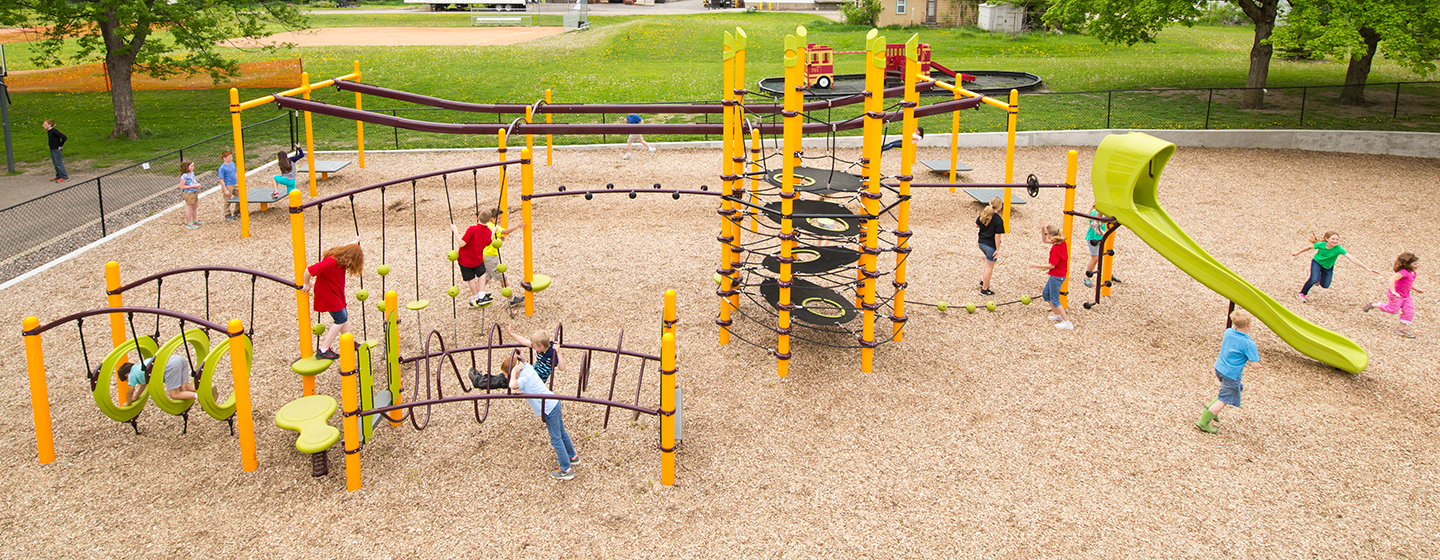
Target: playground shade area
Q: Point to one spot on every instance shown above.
(992, 433)
(406, 36)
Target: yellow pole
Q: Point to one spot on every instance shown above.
(117, 328)
(504, 202)
(1012, 111)
(794, 80)
(955, 136)
(548, 144)
(669, 317)
(302, 300)
(392, 353)
(351, 412)
(667, 409)
(874, 105)
(727, 166)
(737, 136)
(1072, 159)
(359, 125)
(907, 161)
(309, 134)
(527, 188)
(239, 140)
(244, 411)
(530, 118)
(1109, 261)
(39, 392)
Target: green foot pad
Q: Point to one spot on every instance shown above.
(307, 415)
(310, 367)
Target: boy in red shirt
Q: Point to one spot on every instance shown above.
(325, 283)
(472, 261)
(1058, 266)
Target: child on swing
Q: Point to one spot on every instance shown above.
(325, 282)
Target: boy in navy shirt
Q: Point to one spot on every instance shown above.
(1236, 350)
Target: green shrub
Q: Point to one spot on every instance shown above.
(861, 12)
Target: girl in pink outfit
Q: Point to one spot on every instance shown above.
(1399, 293)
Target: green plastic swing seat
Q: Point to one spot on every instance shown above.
(308, 415)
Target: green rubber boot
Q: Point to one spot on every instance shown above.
(1204, 423)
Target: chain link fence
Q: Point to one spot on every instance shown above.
(44, 228)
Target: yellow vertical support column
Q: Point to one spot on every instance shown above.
(302, 300)
(392, 354)
(350, 412)
(309, 134)
(907, 161)
(794, 105)
(727, 181)
(955, 136)
(529, 119)
(359, 124)
(754, 178)
(527, 188)
(667, 409)
(504, 202)
(39, 392)
(244, 410)
(737, 154)
(548, 144)
(870, 158)
(117, 327)
(1072, 159)
(1011, 113)
(239, 140)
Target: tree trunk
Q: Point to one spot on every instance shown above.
(1359, 70)
(122, 98)
(1262, 13)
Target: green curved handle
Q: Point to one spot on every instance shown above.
(205, 391)
(1126, 177)
(104, 398)
(200, 342)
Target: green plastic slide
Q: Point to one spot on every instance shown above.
(1126, 175)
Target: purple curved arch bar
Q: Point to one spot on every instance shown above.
(125, 309)
(172, 272)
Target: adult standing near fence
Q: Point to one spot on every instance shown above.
(229, 185)
(57, 144)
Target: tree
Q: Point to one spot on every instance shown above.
(1409, 30)
(161, 38)
(1129, 22)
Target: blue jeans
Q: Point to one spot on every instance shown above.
(988, 251)
(1052, 290)
(1318, 275)
(559, 438)
(891, 145)
(55, 158)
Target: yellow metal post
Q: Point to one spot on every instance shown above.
(737, 154)
(392, 354)
(667, 409)
(728, 179)
(527, 188)
(955, 136)
(39, 392)
(302, 300)
(794, 105)
(754, 178)
(874, 105)
(504, 203)
(244, 410)
(359, 124)
(117, 327)
(350, 408)
(309, 133)
(907, 161)
(1012, 111)
(669, 317)
(548, 143)
(1072, 159)
(238, 134)
(529, 118)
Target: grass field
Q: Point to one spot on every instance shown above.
(669, 58)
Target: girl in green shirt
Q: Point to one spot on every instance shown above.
(1322, 268)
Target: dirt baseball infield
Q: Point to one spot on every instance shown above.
(406, 36)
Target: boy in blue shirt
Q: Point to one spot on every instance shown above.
(1236, 350)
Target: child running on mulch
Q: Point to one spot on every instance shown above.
(1058, 267)
(1322, 267)
(325, 281)
(1399, 293)
(1236, 350)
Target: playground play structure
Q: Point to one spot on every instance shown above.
(820, 74)
(804, 240)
